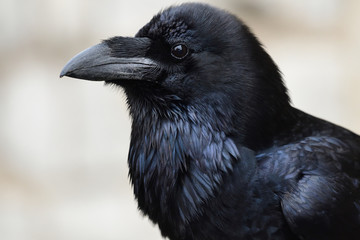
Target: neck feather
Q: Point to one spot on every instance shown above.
(177, 162)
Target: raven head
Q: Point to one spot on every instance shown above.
(191, 55)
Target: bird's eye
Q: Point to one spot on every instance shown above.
(179, 51)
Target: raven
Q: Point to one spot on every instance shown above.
(217, 151)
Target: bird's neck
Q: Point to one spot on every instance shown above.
(264, 131)
(177, 162)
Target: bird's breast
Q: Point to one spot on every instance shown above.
(175, 166)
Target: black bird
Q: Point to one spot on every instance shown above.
(217, 151)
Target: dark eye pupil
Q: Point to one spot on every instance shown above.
(179, 51)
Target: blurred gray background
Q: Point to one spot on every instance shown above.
(64, 142)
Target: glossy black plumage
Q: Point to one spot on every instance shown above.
(217, 152)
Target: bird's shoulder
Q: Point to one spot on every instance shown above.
(317, 180)
(321, 155)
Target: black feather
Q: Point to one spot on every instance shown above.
(217, 151)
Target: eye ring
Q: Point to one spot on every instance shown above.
(179, 51)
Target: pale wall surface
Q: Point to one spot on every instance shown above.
(63, 142)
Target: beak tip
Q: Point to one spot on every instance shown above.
(81, 60)
(67, 70)
(63, 73)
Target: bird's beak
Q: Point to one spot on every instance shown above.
(114, 60)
